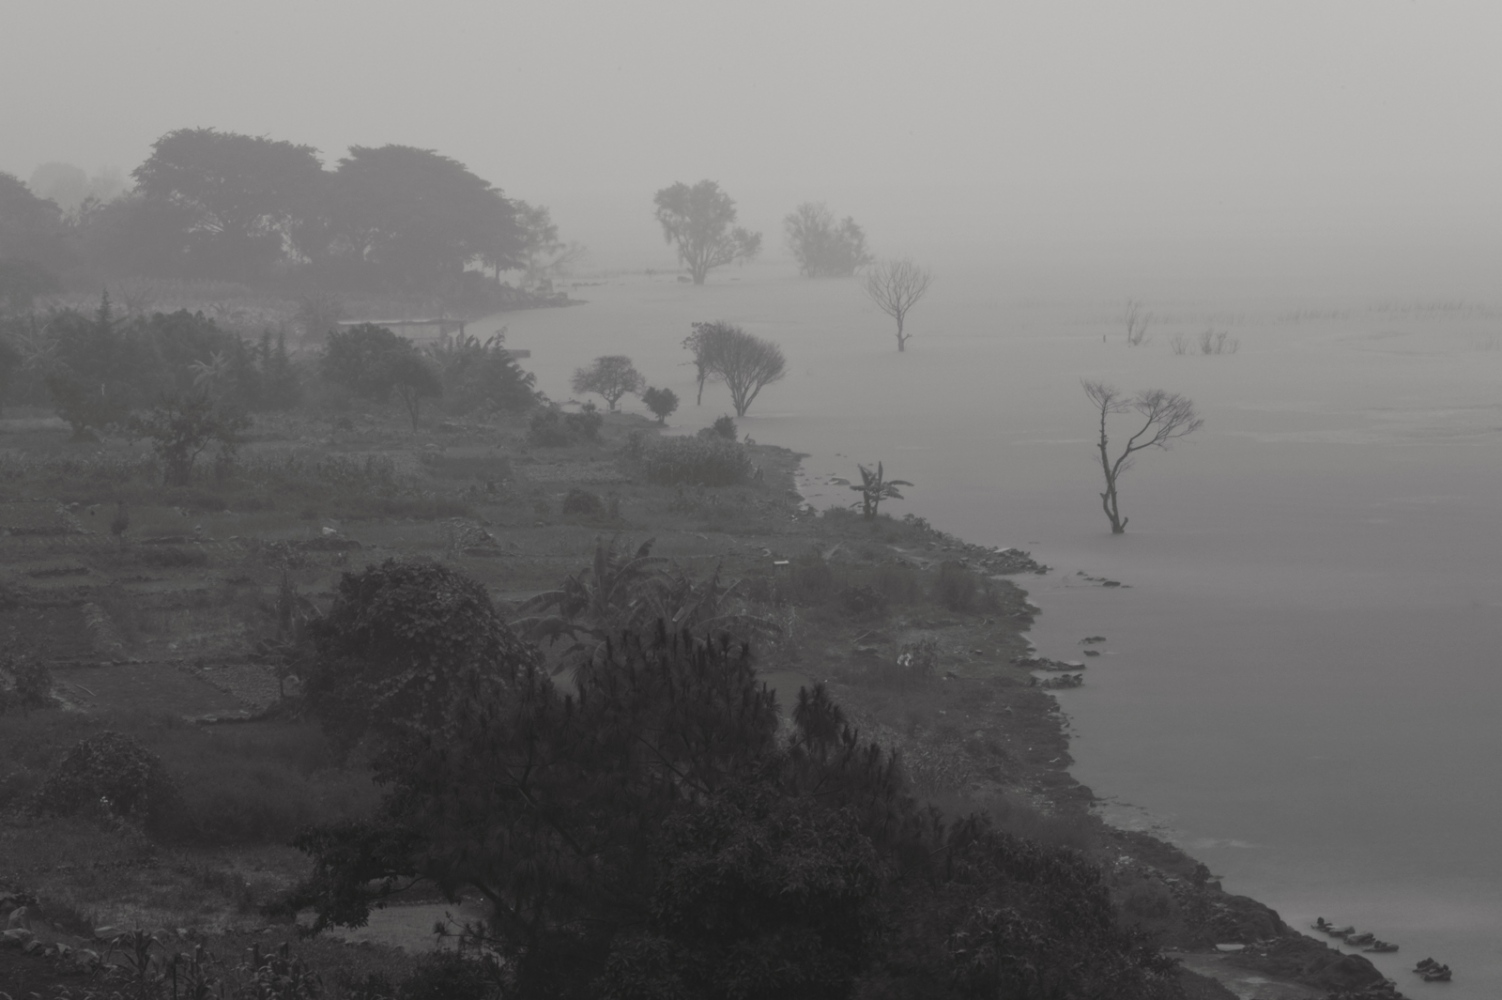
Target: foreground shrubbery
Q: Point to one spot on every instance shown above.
(650, 832)
(115, 775)
(696, 461)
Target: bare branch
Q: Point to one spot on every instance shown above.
(896, 286)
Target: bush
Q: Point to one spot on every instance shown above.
(112, 771)
(725, 427)
(552, 428)
(696, 462)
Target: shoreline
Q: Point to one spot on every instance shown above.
(1243, 944)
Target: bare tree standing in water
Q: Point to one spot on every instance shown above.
(1165, 417)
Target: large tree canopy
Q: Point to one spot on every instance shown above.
(243, 194)
(700, 220)
(415, 217)
(31, 228)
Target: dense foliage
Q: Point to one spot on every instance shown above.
(402, 644)
(113, 773)
(746, 363)
(209, 204)
(648, 832)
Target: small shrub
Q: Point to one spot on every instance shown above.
(725, 428)
(662, 403)
(582, 503)
(696, 462)
(112, 771)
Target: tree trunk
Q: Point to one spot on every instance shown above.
(901, 340)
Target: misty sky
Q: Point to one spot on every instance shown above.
(941, 125)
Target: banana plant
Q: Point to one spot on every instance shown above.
(874, 487)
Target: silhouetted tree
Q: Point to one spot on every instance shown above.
(823, 246)
(611, 376)
(1161, 418)
(413, 218)
(242, 193)
(403, 645)
(662, 403)
(32, 228)
(700, 221)
(746, 364)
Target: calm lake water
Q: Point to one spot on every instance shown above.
(1301, 681)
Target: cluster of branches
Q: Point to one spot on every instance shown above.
(746, 363)
(650, 829)
(211, 204)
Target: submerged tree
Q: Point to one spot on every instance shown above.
(701, 221)
(896, 286)
(824, 247)
(744, 362)
(1161, 418)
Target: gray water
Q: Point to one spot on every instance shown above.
(1300, 682)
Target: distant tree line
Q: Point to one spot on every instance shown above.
(219, 205)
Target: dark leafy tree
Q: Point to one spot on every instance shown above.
(413, 218)
(404, 644)
(896, 286)
(32, 228)
(242, 194)
(180, 426)
(591, 605)
(1160, 418)
(662, 403)
(611, 376)
(700, 221)
(823, 246)
(10, 363)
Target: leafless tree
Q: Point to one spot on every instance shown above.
(896, 286)
(1165, 417)
(1137, 321)
(746, 364)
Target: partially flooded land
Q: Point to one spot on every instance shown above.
(1217, 662)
